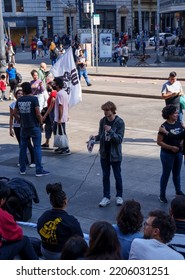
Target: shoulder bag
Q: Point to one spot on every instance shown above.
(182, 101)
(60, 140)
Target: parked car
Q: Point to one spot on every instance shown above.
(172, 39)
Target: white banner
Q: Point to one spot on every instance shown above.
(65, 67)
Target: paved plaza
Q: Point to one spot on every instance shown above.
(80, 173)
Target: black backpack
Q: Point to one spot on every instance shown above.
(18, 78)
(19, 202)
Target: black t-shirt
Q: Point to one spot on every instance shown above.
(175, 100)
(26, 106)
(55, 227)
(175, 128)
(107, 136)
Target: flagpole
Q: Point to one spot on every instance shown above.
(2, 43)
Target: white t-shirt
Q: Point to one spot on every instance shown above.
(15, 122)
(62, 99)
(175, 87)
(125, 51)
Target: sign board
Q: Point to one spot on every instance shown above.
(12, 24)
(96, 19)
(105, 45)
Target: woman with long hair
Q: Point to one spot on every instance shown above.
(103, 242)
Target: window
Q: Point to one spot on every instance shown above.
(48, 5)
(8, 6)
(19, 6)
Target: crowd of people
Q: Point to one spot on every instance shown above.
(43, 100)
(160, 237)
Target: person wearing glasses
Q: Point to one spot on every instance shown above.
(159, 229)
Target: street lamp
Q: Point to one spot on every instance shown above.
(92, 32)
(131, 23)
(157, 33)
(2, 43)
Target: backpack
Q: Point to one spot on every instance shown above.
(18, 78)
(19, 202)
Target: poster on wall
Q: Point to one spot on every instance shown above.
(105, 45)
(85, 38)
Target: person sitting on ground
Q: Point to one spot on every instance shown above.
(12, 240)
(56, 226)
(177, 211)
(75, 248)
(129, 224)
(103, 242)
(159, 229)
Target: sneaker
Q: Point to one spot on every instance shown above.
(65, 152)
(22, 172)
(119, 201)
(163, 199)
(45, 145)
(5, 99)
(89, 85)
(1, 100)
(32, 165)
(43, 173)
(180, 193)
(104, 202)
(58, 150)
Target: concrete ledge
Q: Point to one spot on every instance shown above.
(175, 58)
(132, 76)
(120, 94)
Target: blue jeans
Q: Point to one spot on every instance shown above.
(22, 247)
(35, 134)
(170, 162)
(116, 167)
(84, 74)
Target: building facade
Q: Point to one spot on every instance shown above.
(49, 17)
(173, 16)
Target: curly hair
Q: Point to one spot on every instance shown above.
(164, 223)
(168, 110)
(57, 195)
(130, 218)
